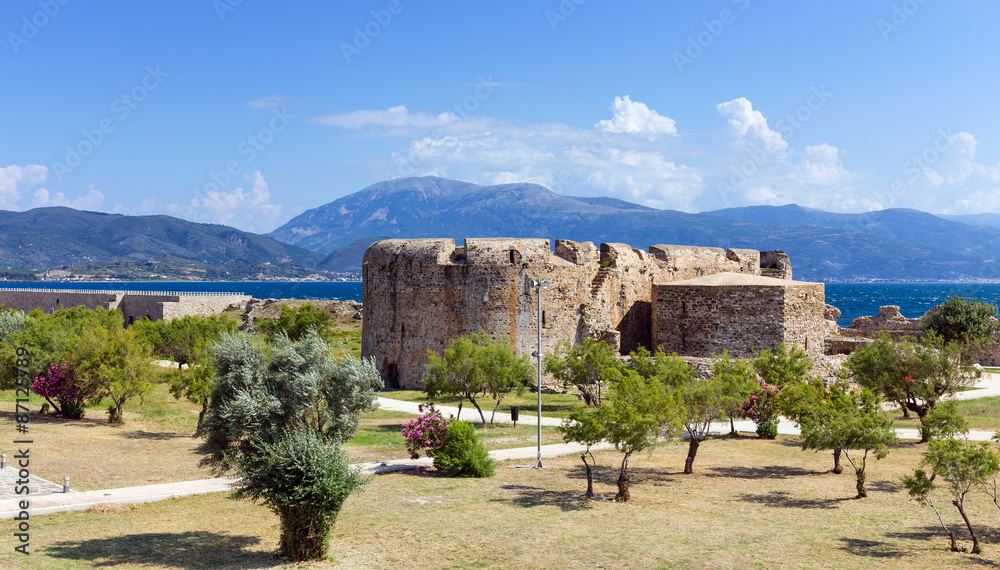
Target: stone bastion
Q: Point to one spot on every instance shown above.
(420, 293)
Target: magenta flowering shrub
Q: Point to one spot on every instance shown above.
(763, 410)
(426, 433)
(57, 383)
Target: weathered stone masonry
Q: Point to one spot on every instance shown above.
(738, 313)
(419, 294)
(134, 305)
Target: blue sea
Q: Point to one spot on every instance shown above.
(853, 299)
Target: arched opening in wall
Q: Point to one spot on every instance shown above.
(57, 302)
(543, 320)
(512, 257)
(807, 344)
(391, 374)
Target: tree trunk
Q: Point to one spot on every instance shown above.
(494, 414)
(201, 414)
(732, 427)
(304, 536)
(623, 480)
(924, 432)
(906, 411)
(478, 409)
(862, 491)
(976, 548)
(590, 475)
(692, 451)
(837, 467)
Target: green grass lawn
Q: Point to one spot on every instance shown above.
(379, 436)
(553, 405)
(981, 413)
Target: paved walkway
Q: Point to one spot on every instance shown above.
(46, 501)
(469, 412)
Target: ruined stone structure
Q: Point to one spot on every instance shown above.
(418, 294)
(134, 305)
(740, 313)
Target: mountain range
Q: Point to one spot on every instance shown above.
(140, 246)
(893, 244)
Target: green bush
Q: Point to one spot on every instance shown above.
(463, 453)
(768, 429)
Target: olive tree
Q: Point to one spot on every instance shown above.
(276, 418)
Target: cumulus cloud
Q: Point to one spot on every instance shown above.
(250, 210)
(15, 180)
(636, 118)
(92, 201)
(635, 154)
(742, 123)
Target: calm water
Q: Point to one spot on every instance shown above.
(914, 299)
(331, 290)
(853, 299)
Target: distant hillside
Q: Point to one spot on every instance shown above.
(887, 245)
(348, 258)
(47, 238)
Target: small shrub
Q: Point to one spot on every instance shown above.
(768, 429)
(762, 408)
(426, 433)
(463, 453)
(57, 383)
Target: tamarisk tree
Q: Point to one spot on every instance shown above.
(962, 465)
(276, 418)
(853, 422)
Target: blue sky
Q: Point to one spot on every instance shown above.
(249, 112)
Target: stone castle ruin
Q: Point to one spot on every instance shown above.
(418, 294)
(134, 305)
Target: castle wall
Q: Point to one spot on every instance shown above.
(419, 294)
(134, 305)
(740, 314)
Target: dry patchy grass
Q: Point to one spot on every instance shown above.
(750, 504)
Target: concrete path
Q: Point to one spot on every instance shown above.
(45, 501)
(469, 412)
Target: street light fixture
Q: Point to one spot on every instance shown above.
(538, 286)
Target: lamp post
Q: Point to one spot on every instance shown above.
(538, 286)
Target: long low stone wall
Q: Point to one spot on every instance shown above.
(134, 305)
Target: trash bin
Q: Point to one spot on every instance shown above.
(514, 412)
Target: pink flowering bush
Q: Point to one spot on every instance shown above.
(57, 383)
(762, 408)
(426, 433)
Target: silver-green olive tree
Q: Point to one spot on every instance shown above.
(276, 418)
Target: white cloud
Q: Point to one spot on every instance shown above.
(637, 154)
(742, 123)
(93, 200)
(249, 210)
(394, 121)
(268, 102)
(636, 118)
(15, 180)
